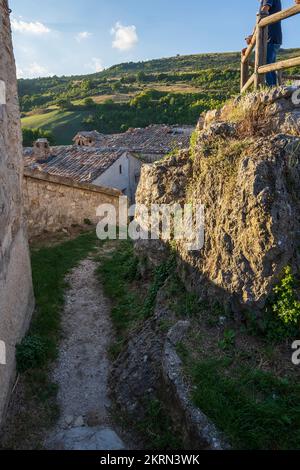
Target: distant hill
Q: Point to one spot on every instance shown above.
(171, 90)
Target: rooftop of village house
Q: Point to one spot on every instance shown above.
(152, 139)
(81, 164)
(85, 163)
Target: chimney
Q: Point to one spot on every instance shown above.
(41, 150)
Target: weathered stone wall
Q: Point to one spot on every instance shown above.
(16, 294)
(244, 167)
(53, 203)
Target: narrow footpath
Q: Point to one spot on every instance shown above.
(82, 369)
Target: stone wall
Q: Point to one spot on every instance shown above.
(53, 203)
(16, 294)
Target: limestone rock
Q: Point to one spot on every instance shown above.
(79, 422)
(248, 178)
(98, 438)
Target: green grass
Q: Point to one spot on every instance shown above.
(255, 409)
(131, 305)
(117, 274)
(158, 428)
(184, 304)
(63, 124)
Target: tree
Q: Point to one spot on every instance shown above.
(64, 103)
(142, 77)
(116, 86)
(31, 135)
(89, 103)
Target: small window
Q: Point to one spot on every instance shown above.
(120, 169)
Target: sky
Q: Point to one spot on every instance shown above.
(69, 37)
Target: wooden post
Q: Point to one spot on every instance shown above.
(260, 52)
(260, 38)
(280, 65)
(244, 72)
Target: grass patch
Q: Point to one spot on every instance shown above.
(253, 408)
(158, 427)
(281, 318)
(63, 124)
(117, 273)
(188, 304)
(131, 304)
(243, 382)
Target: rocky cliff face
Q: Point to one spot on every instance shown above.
(244, 166)
(16, 296)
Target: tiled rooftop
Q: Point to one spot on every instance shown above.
(85, 164)
(82, 164)
(152, 139)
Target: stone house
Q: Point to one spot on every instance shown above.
(108, 160)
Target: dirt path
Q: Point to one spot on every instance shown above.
(82, 368)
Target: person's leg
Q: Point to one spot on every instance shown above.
(271, 77)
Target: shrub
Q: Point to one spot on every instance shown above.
(31, 135)
(161, 273)
(286, 305)
(228, 340)
(30, 353)
(89, 103)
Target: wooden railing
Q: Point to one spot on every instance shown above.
(259, 41)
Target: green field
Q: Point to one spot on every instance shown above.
(63, 124)
(170, 91)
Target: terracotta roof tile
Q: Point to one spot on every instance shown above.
(152, 139)
(85, 164)
(82, 164)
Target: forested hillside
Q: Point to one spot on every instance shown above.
(171, 90)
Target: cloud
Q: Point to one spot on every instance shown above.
(33, 70)
(96, 65)
(33, 27)
(82, 36)
(125, 37)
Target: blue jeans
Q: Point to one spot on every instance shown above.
(272, 52)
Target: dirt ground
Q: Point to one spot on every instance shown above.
(83, 368)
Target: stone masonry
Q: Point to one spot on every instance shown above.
(16, 293)
(53, 203)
